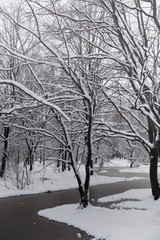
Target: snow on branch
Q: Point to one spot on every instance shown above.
(41, 131)
(33, 95)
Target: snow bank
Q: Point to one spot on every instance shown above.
(117, 163)
(140, 169)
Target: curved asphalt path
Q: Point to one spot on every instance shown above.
(19, 219)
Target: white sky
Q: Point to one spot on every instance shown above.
(6, 2)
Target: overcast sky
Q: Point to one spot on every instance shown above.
(7, 2)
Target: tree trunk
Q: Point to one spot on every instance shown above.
(4, 157)
(30, 159)
(83, 189)
(153, 173)
(84, 199)
(63, 166)
(89, 164)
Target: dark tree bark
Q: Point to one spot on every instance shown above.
(153, 173)
(153, 160)
(4, 157)
(63, 166)
(30, 158)
(84, 193)
(84, 199)
(83, 189)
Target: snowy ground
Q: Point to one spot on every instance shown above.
(43, 179)
(117, 163)
(133, 215)
(140, 169)
(127, 220)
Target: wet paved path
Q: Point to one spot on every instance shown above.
(19, 219)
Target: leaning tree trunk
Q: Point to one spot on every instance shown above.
(4, 157)
(82, 188)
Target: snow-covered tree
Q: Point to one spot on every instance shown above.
(130, 30)
(71, 91)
